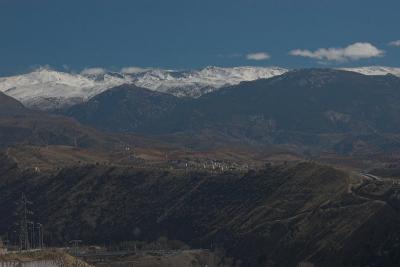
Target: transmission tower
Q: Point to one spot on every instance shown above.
(39, 227)
(23, 213)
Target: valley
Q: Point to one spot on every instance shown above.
(153, 133)
(300, 169)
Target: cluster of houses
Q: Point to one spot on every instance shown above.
(208, 165)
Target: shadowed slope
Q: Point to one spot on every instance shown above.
(279, 216)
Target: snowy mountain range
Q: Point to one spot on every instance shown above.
(46, 89)
(49, 89)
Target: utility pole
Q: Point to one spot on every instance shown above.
(75, 245)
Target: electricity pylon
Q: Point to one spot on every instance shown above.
(23, 214)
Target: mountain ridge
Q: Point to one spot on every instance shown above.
(48, 89)
(299, 108)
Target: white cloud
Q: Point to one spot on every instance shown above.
(93, 71)
(258, 56)
(133, 70)
(352, 52)
(395, 43)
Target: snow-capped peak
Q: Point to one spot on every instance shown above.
(375, 70)
(42, 76)
(194, 83)
(45, 88)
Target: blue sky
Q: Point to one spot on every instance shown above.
(78, 34)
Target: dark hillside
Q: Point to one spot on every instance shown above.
(278, 216)
(321, 110)
(19, 125)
